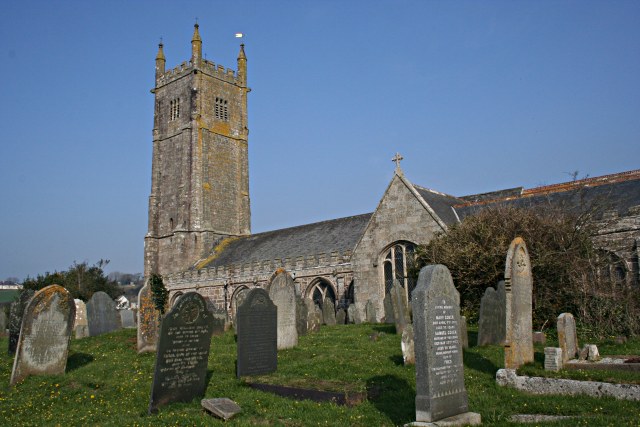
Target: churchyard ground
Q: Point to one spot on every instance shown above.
(108, 383)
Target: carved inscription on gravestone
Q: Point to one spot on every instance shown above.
(183, 352)
(518, 348)
(440, 390)
(283, 294)
(257, 334)
(44, 338)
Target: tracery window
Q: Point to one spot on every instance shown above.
(397, 264)
(175, 108)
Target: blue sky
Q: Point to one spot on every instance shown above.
(476, 95)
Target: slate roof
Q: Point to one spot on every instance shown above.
(339, 235)
(617, 192)
(441, 203)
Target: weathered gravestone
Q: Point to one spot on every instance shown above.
(388, 309)
(567, 337)
(492, 320)
(553, 359)
(126, 318)
(80, 326)
(328, 312)
(371, 314)
(464, 336)
(44, 338)
(3, 320)
(518, 283)
(314, 316)
(283, 294)
(302, 315)
(238, 300)
(183, 352)
(400, 307)
(341, 316)
(148, 321)
(407, 346)
(15, 317)
(352, 314)
(257, 334)
(218, 321)
(440, 390)
(102, 315)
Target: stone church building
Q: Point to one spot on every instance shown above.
(199, 235)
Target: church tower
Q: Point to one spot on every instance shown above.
(200, 172)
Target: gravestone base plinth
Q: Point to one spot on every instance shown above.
(464, 419)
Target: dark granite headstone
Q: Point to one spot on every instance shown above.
(102, 315)
(15, 318)
(257, 334)
(44, 338)
(283, 294)
(341, 317)
(518, 280)
(183, 352)
(440, 390)
(301, 316)
(148, 321)
(328, 312)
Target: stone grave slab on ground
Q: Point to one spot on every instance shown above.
(257, 334)
(440, 389)
(221, 407)
(127, 318)
(15, 317)
(567, 337)
(182, 356)
(44, 339)
(148, 321)
(400, 307)
(492, 318)
(80, 326)
(102, 315)
(282, 293)
(518, 347)
(328, 312)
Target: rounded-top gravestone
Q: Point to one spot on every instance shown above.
(47, 323)
(283, 294)
(102, 315)
(257, 334)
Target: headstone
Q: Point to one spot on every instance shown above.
(257, 334)
(183, 352)
(407, 345)
(283, 294)
(539, 337)
(352, 314)
(388, 309)
(102, 315)
(440, 390)
(593, 354)
(80, 326)
(567, 337)
(518, 347)
(341, 317)
(126, 318)
(314, 316)
(492, 320)
(553, 360)
(15, 317)
(328, 312)
(218, 321)
(464, 336)
(239, 298)
(148, 321)
(371, 314)
(3, 321)
(400, 307)
(44, 338)
(301, 316)
(221, 407)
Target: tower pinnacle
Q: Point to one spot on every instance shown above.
(196, 45)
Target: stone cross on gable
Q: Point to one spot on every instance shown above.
(397, 159)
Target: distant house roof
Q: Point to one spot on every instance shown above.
(441, 203)
(616, 192)
(334, 235)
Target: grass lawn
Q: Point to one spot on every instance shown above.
(108, 383)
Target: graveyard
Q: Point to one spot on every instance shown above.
(108, 383)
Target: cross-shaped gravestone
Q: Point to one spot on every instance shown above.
(397, 159)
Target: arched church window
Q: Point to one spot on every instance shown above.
(321, 290)
(397, 264)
